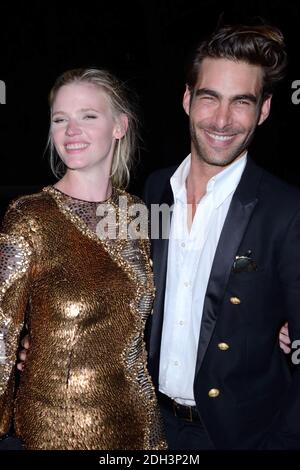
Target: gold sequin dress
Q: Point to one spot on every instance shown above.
(85, 300)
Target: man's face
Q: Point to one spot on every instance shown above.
(224, 110)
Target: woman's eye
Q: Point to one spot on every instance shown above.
(90, 116)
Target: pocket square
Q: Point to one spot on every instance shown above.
(244, 263)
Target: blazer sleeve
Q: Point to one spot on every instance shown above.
(285, 430)
(16, 255)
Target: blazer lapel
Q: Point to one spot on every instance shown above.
(159, 248)
(242, 205)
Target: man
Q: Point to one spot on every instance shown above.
(228, 277)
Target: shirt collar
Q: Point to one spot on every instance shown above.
(178, 179)
(221, 185)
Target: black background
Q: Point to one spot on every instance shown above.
(145, 43)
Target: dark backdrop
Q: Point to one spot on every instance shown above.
(145, 42)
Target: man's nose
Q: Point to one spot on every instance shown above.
(223, 116)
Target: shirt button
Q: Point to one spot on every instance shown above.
(183, 244)
(186, 284)
(235, 300)
(175, 363)
(181, 322)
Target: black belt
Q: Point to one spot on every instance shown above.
(188, 413)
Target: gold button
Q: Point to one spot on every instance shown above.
(214, 392)
(223, 346)
(235, 300)
(150, 262)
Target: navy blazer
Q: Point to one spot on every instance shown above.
(258, 394)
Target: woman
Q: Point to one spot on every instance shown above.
(85, 298)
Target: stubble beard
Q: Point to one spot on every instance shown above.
(222, 159)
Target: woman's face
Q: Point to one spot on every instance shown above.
(83, 127)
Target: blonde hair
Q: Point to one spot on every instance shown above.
(116, 93)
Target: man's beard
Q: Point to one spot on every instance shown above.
(222, 158)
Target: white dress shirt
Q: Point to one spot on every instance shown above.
(190, 259)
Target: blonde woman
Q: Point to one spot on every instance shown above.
(85, 299)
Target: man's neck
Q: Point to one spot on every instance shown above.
(196, 182)
(199, 175)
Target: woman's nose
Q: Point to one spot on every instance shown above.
(73, 128)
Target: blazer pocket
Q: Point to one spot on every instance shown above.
(248, 276)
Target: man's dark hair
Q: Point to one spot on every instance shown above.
(261, 45)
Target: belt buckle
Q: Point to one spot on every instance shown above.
(191, 414)
(178, 406)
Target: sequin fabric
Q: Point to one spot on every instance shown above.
(86, 300)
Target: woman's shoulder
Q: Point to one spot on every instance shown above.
(31, 203)
(29, 210)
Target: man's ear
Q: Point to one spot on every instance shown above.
(121, 126)
(265, 110)
(186, 100)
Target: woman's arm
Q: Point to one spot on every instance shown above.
(15, 267)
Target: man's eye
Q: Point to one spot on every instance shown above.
(243, 102)
(58, 120)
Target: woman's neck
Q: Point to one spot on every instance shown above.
(85, 187)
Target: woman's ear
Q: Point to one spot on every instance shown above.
(121, 126)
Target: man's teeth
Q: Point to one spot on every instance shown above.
(220, 137)
(76, 146)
